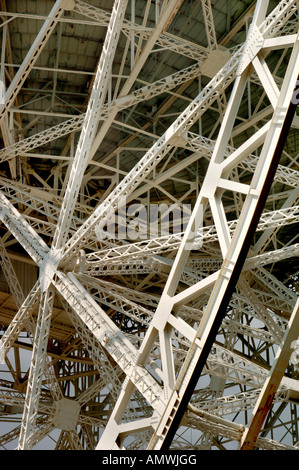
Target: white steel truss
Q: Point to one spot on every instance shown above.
(134, 341)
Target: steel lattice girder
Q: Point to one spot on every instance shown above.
(154, 347)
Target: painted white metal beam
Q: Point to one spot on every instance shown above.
(90, 123)
(33, 54)
(75, 124)
(37, 367)
(270, 387)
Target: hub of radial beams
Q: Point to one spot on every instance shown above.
(66, 414)
(214, 62)
(48, 269)
(69, 5)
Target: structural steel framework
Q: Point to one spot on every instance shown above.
(164, 333)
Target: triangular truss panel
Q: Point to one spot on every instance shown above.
(149, 225)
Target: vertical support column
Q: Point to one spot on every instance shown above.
(90, 124)
(36, 369)
(209, 23)
(132, 34)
